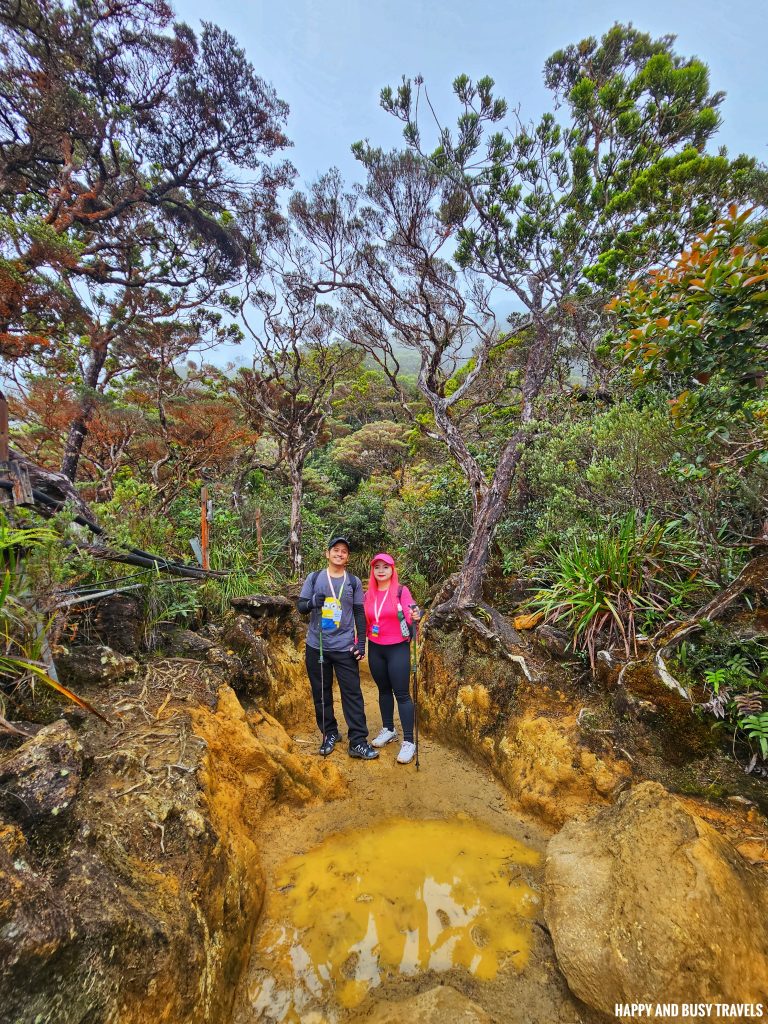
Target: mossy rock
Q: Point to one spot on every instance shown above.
(681, 734)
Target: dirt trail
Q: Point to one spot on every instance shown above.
(447, 785)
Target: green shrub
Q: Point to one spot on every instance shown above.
(733, 671)
(431, 524)
(609, 586)
(24, 624)
(585, 468)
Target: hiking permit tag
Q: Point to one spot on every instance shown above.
(377, 606)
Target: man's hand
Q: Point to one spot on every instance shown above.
(358, 650)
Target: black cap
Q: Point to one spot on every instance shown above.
(338, 540)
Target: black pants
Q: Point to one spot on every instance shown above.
(390, 666)
(348, 677)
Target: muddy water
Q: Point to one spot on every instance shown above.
(400, 898)
(414, 879)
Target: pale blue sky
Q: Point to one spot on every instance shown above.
(329, 60)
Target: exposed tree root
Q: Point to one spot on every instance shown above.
(483, 620)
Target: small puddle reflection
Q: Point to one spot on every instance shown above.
(404, 897)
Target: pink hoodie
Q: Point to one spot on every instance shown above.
(386, 602)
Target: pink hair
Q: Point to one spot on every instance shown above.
(373, 590)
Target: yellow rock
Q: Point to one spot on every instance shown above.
(528, 621)
(644, 898)
(529, 735)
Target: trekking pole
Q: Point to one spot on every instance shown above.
(415, 671)
(322, 682)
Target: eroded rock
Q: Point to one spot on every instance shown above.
(185, 643)
(259, 606)
(549, 770)
(607, 669)
(40, 780)
(273, 672)
(646, 902)
(226, 663)
(85, 666)
(526, 732)
(118, 623)
(148, 910)
(27, 903)
(438, 1005)
(646, 688)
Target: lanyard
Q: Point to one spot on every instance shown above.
(378, 607)
(330, 584)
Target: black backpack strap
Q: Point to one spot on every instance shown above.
(399, 591)
(312, 581)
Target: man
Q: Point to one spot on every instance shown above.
(334, 599)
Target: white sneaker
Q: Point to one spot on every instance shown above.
(407, 752)
(385, 736)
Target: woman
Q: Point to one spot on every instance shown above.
(389, 612)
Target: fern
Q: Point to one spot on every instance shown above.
(750, 703)
(756, 727)
(715, 677)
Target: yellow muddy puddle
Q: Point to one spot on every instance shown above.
(401, 898)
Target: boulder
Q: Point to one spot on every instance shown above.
(40, 780)
(86, 666)
(118, 623)
(185, 643)
(648, 903)
(436, 1006)
(555, 641)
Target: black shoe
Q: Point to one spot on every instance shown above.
(330, 741)
(363, 750)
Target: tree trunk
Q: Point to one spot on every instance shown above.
(469, 591)
(494, 502)
(295, 467)
(78, 428)
(458, 448)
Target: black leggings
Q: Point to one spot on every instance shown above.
(390, 666)
(347, 671)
